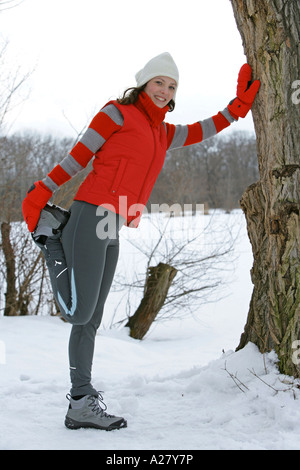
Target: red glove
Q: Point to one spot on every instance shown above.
(245, 91)
(37, 197)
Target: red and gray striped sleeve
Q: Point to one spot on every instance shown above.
(183, 135)
(103, 125)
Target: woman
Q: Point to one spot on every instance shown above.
(129, 140)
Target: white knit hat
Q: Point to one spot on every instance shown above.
(162, 65)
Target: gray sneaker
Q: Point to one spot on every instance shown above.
(52, 219)
(88, 413)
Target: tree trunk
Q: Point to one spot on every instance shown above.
(270, 31)
(19, 275)
(9, 256)
(158, 282)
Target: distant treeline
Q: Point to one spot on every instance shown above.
(215, 172)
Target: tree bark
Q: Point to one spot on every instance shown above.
(270, 31)
(158, 282)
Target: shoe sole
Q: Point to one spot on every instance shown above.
(72, 424)
(54, 218)
(59, 216)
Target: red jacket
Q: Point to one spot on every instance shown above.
(129, 144)
(127, 165)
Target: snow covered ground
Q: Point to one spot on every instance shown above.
(177, 389)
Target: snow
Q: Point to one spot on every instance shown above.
(183, 387)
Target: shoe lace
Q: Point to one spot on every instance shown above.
(95, 405)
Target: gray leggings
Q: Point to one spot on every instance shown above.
(81, 276)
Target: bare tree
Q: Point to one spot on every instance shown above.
(24, 277)
(270, 30)
(184, 261)
(12, 89)
(24, 280)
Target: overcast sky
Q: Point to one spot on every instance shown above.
(85, 53)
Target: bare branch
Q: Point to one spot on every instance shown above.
(9, 4)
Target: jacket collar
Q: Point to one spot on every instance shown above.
(153, 113)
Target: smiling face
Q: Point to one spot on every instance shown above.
(161, 90)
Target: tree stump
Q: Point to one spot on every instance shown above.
(159, 280)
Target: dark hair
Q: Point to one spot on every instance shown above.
(130, 96)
